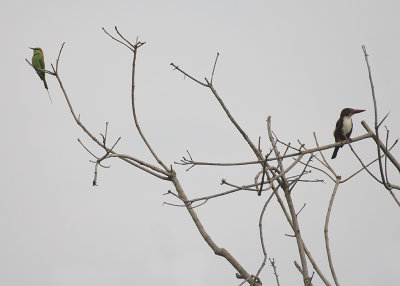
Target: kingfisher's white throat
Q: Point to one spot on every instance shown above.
(347, 124)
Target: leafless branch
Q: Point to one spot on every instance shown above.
(381, 145)
(174, 205)
(301, 174)
(184, 161)
(385, 183)
(272, 261)
(99, 160)
(90, 152)
(237, 188)
(285, 186)
(264, 169)
(134, 46)
(157, 172)
(217, 250)
(248, 279)
(263, 175)
(326, 164)
(384, 118)
(233, 121)
(227, 112)
(328, 214)
(215, 64)
(115, 39)
(367, 165)
(245, 187)
(260, 226)
(301, 271)
(364, 167)
(129, 159)
(304, 205)
(289, 220)
(319, 169)
(315, 266)
(386, 147)
(58, 58)
(188, 75)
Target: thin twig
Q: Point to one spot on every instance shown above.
(304, 205)
(99, 160)
(319, 169)
(59, 55)
(264, 164)
(301, 174)
(263, 175)
(384, 118)
(326, 164)
(376, 115)
(233, 121)
(188, 75)
(115, 39)
(260, 227)
(272, 261)
(381, 145)
(367, 165)
(134, 46)
(87, 149)
(386, 147)
(215, 64)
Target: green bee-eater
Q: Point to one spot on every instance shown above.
(38, 63)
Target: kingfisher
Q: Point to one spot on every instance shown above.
(38, 63)
(344, 126)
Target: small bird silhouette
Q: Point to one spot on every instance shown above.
(344, 127)
(38, 63)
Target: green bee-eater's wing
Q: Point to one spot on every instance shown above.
(35, 62)
(41, 62)
(38, 63)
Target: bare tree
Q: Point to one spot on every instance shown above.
(281, 168)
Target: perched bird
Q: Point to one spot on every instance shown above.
(38, 63)
(344, 126)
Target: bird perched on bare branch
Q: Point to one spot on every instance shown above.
(344, 126)
(39, 66)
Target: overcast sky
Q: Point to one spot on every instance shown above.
(300, 62)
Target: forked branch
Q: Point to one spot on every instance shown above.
(134, 48)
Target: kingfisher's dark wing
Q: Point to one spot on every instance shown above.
(338, 131)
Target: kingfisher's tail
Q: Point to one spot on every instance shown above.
(335, 152)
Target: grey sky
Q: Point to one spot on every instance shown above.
(299, 61)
